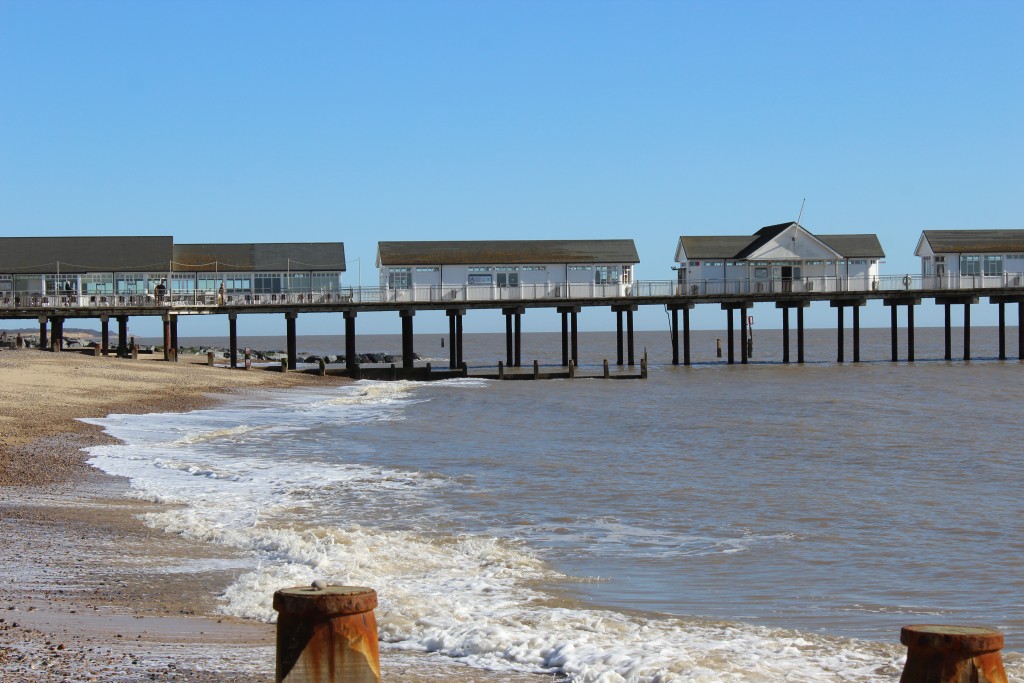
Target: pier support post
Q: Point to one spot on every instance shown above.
(43, 341)
(893, 341)
(686, 334)
(519, 338)
(856, 334)
(570, 335)
(122, 336)
(407, 351)
(967, 331)
(105, 335)
(948, 339)
(1002, 330)
(57, 333)
(289, 319)
(910, 329)
(174, 338)
(800, 334)
(455, 337)
(743, 335)
(729, 333)
(351, 362)
(785, 334)
(327, 635)
(509, 358)
(952, 654)
(841, 332)
(166, 320)
(1020, 330)
(618, 335)
(675, 335)
(513, 335)
(233, 340)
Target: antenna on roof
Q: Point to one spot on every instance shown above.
(801, 215)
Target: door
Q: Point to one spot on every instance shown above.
(787, 278)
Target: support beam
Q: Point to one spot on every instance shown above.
(289, 318)
(800, 335)
(565, 336)
(174, 336)
(967, 331)
(743, 335)
(122, 336)
(452, 355)
(57, 333)
(458, 336)
(675, 336)
(105, 335)
(856, 334)
(1002, 330)
(618, 336)
(233, 339)
(785, 335)
(407, 339)
(351, 362)
(574, 333)
(1020, 330)
(893, 340)
(629, 335)
(519, 338)
(948, 301)
(729, 334)
(167, 336)
(686, 335)
(910, 330)
(510, 360)
(43, 341)
(841, 341)
(949, 336)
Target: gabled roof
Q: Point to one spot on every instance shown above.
(260, 257)
(84, 254)
(975, 241)
(740, 247)
(497, 252)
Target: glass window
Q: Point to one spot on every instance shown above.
(480, 278)
(970, 265)
(398, 278)
(606, 275)
(994, 265)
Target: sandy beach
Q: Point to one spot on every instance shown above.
(90, 593)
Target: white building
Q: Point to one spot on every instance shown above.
(777, 258)
(505, 269)
(954, 259)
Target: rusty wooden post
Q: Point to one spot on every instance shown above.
(327, 635)
(952, 654)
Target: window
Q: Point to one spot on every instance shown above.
(480, 278)
(627, 274)
(427, 269)
(533, 268)
(926, 266)
(606, 275)
(579, 267)
(398, 278)
(480, 269)
(508, 279)
(970, 265)
(994, 265)
(760, 272)
(329, 281)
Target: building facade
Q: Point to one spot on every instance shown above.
(505, 269)
(955, 259)
(777, 258)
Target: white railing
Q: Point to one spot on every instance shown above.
(524, 292)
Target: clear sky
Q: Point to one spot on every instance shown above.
(359, 122)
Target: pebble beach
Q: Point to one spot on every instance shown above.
(88, 592)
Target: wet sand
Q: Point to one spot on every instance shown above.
(87, 591)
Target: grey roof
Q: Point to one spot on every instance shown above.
(740, 247)
(260, 257)
(496, 252)
(975, 241)
(84, 254)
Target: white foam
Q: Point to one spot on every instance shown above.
(473, 598)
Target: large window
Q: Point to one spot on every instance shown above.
(398, 278)
(606, 275)
(994, 265)
(98, 283)
(970, 265)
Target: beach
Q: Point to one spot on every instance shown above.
(89, 592)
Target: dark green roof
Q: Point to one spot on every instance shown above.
(740, 247)
(497, 252)
(260, 257)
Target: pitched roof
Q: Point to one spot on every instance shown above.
(975, 241)
(739, 247)
(260, 257)
(84, 254)
(495, 252)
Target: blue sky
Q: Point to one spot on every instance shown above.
(273, 121)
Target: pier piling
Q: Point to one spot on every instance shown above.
(327, 634)
(952, 654)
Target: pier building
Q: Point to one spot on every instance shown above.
(957, 259)
(777, 258)
(485, 270)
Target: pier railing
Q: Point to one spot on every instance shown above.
(524, 292)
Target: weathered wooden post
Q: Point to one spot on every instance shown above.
(536, 369)
(326, 634)
(322, 367)
(952, 654)
(606, 374)
(572, 369)
(284, 365)
(501, 369)
(209, 358)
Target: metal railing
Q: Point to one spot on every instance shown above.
(524, 292)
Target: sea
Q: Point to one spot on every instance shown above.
(758, 522)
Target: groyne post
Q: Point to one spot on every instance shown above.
(536, 369)
(284, 365)
(327, 634)
(952, 654)
(501, 370)
(209, 358)
(606, 373)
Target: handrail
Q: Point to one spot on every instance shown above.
(691, 289)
